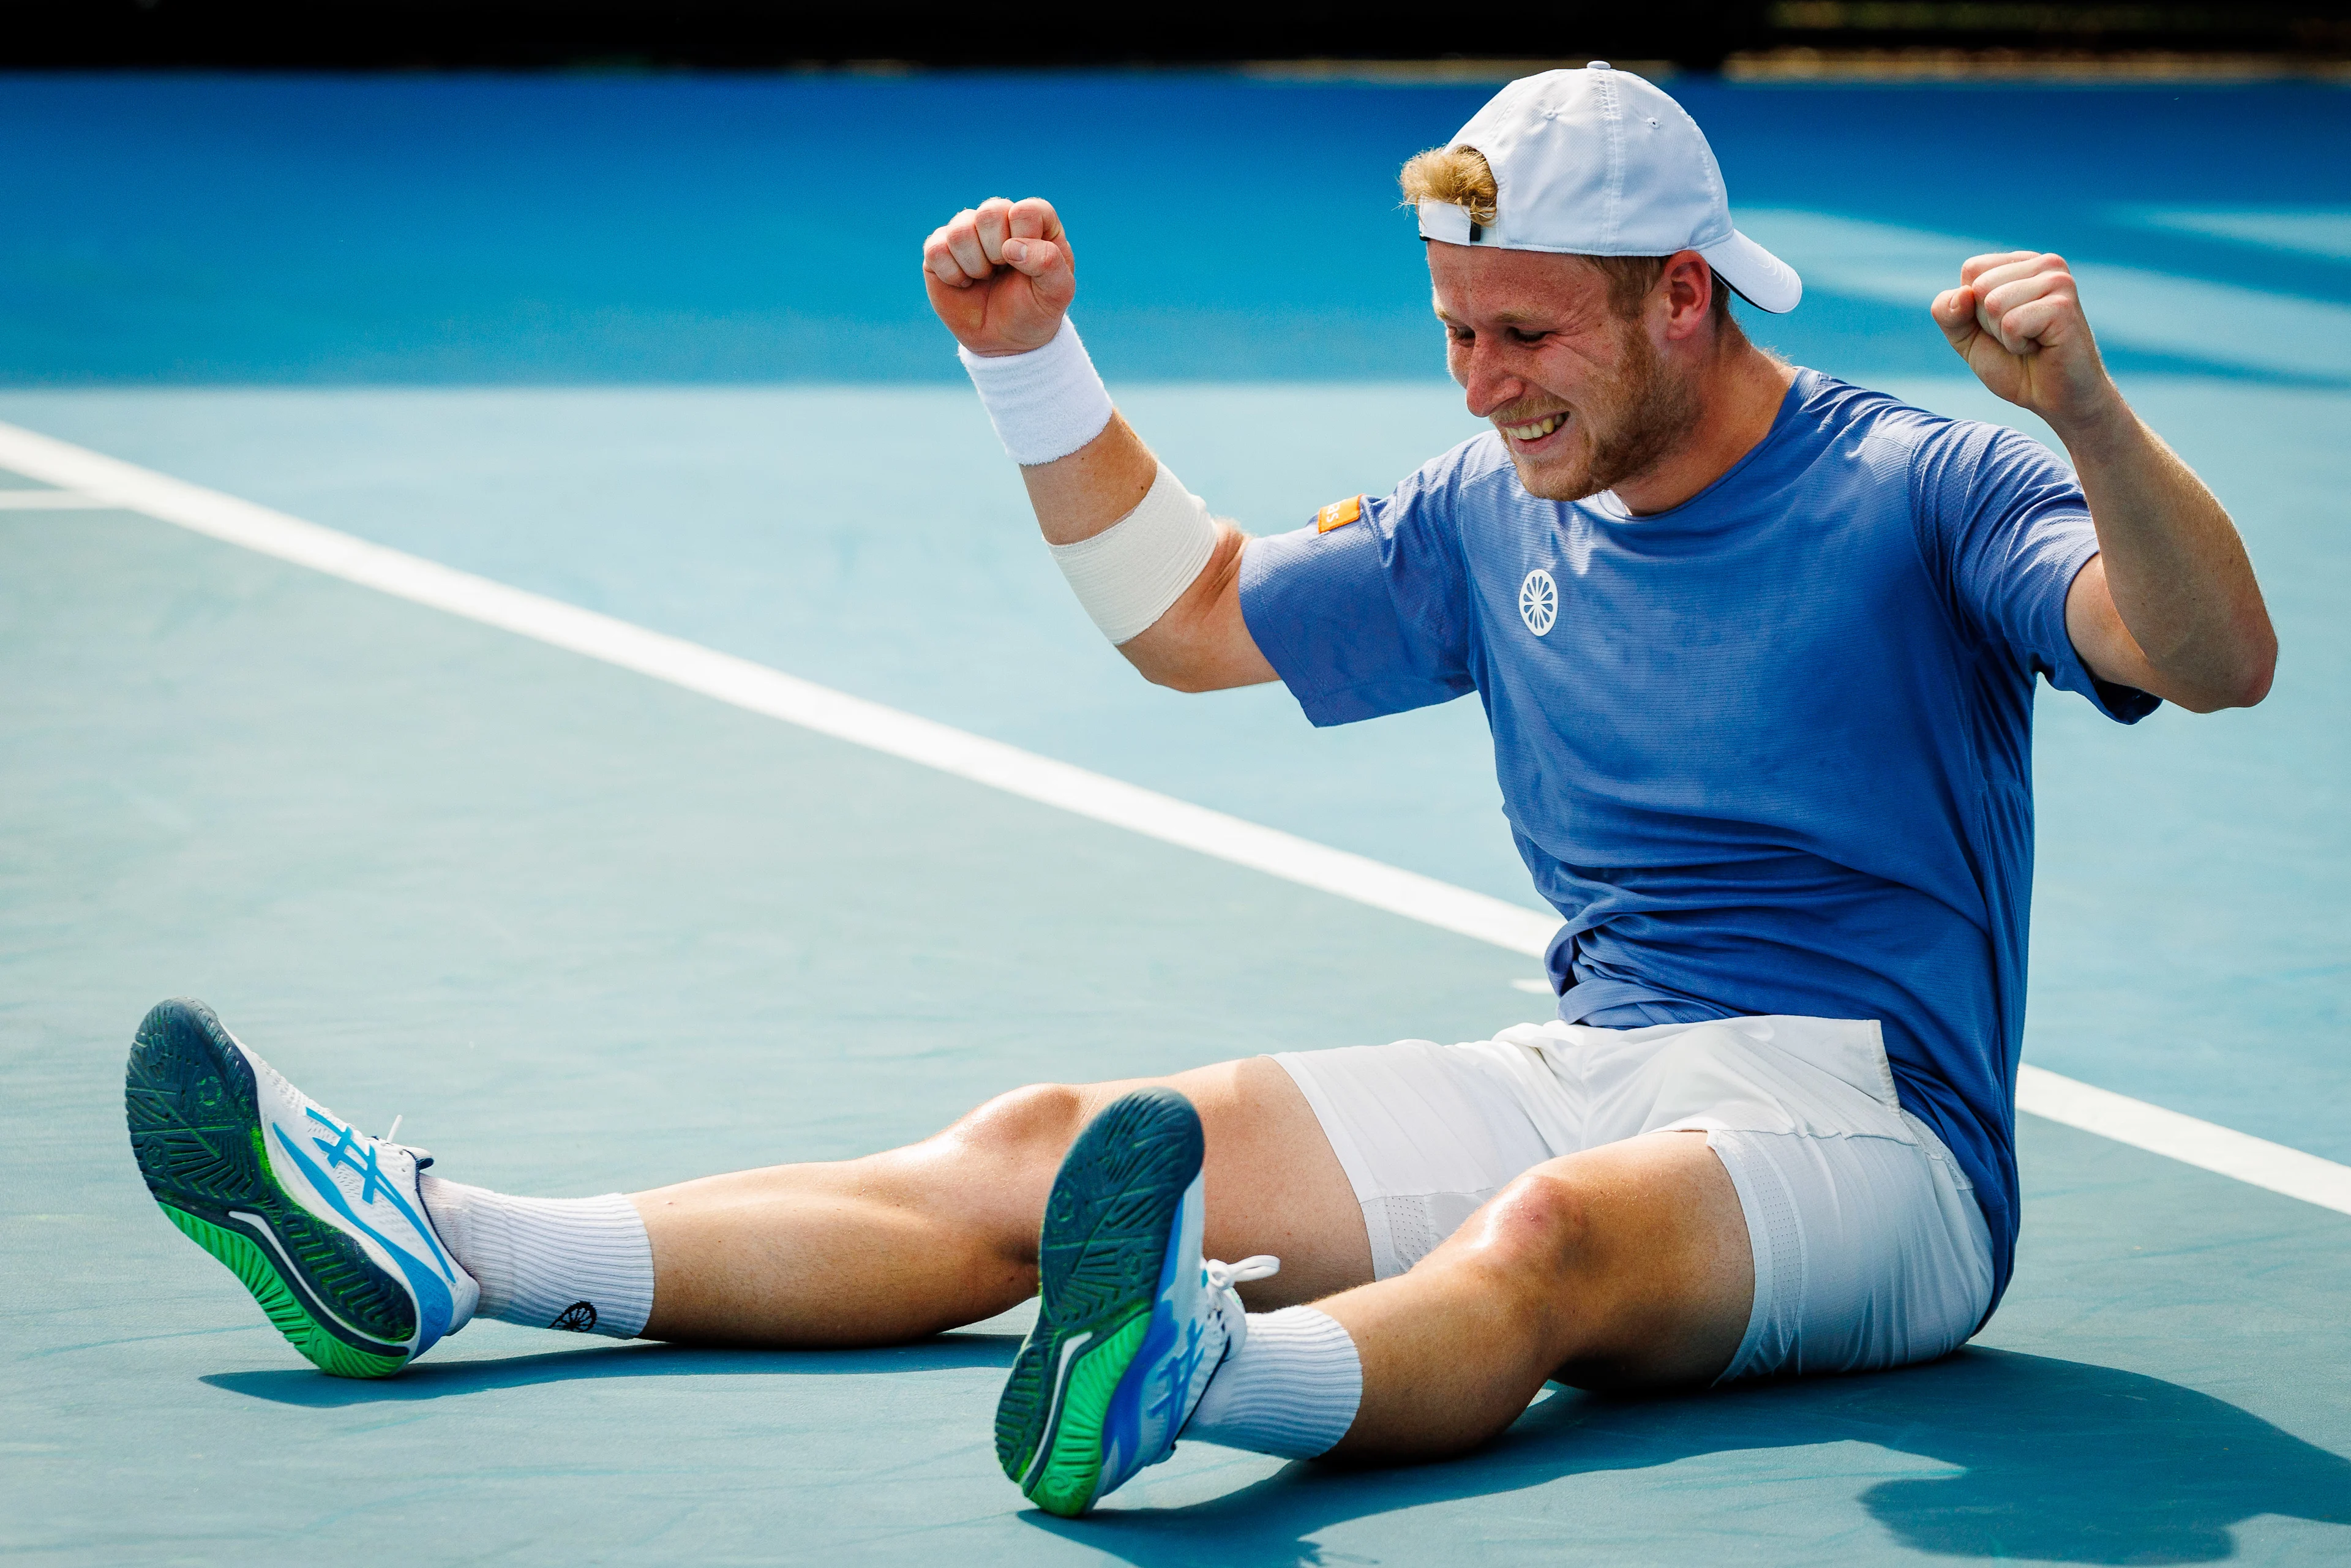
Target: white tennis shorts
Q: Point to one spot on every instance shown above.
(1870, 1249)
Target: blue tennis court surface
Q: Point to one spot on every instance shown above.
(655, 346)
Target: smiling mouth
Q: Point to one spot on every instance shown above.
(1534, 430)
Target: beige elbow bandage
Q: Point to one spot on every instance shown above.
(1127, 575)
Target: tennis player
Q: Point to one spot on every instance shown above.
(1758, 648)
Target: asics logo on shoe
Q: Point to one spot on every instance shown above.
(339, 1153)
(372, 1184)
(358, 1152)
(1178, 1371)
(322, 1223)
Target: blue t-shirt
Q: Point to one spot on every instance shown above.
(1768, 752)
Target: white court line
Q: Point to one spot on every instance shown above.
(762, 690)
(778, 695)
(50, 501)
(2206, 1145)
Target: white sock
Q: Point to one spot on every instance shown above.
(1291, 1389)
(577, 1263)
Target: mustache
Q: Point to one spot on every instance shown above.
(1515, 414)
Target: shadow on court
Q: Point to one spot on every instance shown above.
(2055, 1459)
(442, 1380)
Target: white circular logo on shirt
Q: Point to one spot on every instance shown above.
(1539, 601)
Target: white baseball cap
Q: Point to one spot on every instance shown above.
(1601, 162)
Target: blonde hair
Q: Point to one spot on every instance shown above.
(1457, 176)
(1460, 177)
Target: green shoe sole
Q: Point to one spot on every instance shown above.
(195, 1131)
(250, 1264)
(1104, 1243)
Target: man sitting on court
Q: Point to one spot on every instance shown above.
(1758, 649)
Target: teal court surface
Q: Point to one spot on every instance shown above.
(567, 893)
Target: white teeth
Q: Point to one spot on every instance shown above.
(1536, 431)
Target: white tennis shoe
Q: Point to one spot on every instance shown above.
(1132, 1322)
(322, 1223)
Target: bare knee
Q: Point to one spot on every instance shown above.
(1453, 1350)
(1618, 1287)
(1534, 1236)
(989, 1174)
(1022, 1134)
(1546, 1257)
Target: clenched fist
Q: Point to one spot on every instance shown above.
(2017, 320)
(1000, 275)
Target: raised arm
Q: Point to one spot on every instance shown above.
(1001, 277)
(2169, 604)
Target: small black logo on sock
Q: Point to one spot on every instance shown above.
(579, 1317)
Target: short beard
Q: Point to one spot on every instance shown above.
(1633, 423)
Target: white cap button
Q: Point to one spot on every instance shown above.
(1595, 65)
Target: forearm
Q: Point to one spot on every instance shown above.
(2174, 566)
(1086, 493)
(1200, 643)
(1154, 570)
(1198, 640)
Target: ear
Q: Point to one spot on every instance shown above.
(1687, 286)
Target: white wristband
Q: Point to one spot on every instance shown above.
(1045, 403)
(1127, 575)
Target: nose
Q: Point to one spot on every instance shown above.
(1489, 381)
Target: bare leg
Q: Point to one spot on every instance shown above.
(1624, 1266)
(944, 1232)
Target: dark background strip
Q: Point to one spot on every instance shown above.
(751, 35)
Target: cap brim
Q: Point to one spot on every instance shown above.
(1762, 279)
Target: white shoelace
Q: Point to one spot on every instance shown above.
(1225, 1276)
(1222, 1278)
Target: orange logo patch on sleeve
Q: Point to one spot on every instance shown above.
(1338, 514)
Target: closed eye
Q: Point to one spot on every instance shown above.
(1520, 337)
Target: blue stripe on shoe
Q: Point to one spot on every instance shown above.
(1123, 1426)
(1078, 1414)
(434, 1305)
(375, 1183)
